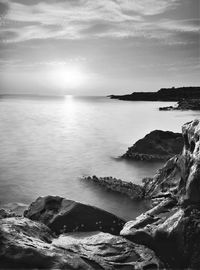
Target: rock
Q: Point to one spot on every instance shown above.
(183, 105)
(4, 213)
(172, 227)
(62, 215)
(114, 250)
(166, 181)
(141, 230)
(157, 145)
(135, 192)
(26, 244)
(164, 94)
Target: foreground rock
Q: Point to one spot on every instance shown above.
(62, 215)
(25, 244)
(183, 105)
(157, 145)
(133, 191)
(172, 227)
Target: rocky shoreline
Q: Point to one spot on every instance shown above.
(56, 233)
(183, 105)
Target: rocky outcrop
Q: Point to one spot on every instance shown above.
(171, 228)
(62, 215)
(164, 94)
(26, 244)
(133, 191)
(4, 213)
(183, 105)
(157, 145)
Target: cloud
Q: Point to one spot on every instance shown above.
(82, 19)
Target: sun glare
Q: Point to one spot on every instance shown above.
(69, 76)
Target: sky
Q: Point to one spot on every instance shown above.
(98, 47)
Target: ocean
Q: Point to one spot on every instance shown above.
(48, 144)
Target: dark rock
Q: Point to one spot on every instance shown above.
(63, 215)
(157, 145)
(135, 192)
(26, 244)
(164, 94)
(183, 105)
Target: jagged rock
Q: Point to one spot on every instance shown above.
(172, 228)
(142, 229)
(135, 192)
(157, 145)
(26, 244)
(166, 181)
(62, 215)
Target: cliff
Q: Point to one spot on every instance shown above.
(157, 145)
(164, 94)
(171, 228)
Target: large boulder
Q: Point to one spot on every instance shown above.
(25, 244)
(171, 228)
(62, 215)
(157, 145)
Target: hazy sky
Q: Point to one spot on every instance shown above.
(98, 46)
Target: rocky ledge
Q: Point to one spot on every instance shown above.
(60, 234)
(133, 191)
(157, 145)
(183, 105)
(172, 227)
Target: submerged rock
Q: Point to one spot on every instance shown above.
(133, 191)
(172, 227)
(157, 145)
(62, 215)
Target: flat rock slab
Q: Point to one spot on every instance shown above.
(25, 244)
(63, 215)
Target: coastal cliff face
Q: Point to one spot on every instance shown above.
(157, 145)
(171, 228)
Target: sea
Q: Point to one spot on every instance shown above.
(48, 144)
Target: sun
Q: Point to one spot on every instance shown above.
(69, 76)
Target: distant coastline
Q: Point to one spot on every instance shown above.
(164, 94)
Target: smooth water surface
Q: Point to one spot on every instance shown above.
(46, 145)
